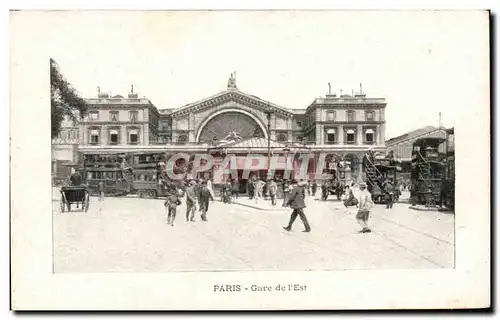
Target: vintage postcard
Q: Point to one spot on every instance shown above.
(250, 160)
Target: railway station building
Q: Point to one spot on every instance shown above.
(344, 126)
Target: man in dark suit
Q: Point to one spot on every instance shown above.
(76, 179)
(296, 202)
(204, 198)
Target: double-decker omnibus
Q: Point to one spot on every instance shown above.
(111, 169)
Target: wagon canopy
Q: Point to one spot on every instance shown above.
(429, 142)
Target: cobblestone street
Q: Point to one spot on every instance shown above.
(130, 235)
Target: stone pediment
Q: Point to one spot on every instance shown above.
(231, 96)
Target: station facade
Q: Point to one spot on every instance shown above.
(343, 126)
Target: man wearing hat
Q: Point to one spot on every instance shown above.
(204, 197)
(190, 201)
(272, 188)
(296, 202)
(365, 205)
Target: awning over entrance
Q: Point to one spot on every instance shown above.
(260, 143)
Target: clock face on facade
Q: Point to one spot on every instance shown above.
(232, 126)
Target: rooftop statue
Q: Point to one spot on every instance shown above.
(231, 83)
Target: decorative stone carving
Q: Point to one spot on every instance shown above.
(231, 83)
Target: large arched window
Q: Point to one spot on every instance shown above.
(230, 126)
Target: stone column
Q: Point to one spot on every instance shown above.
(360, 134)
(123, 135)
(174, 130)
(81, 134)
(381, 128)
(104, 136)
(319, 134)
(340, 135)
(145, 135)
(290, 136)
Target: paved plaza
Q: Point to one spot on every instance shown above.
(129, 234)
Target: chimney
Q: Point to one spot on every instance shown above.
(330, 94)
(360, 93)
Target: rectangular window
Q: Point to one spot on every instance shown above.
(350, 136)
(133, 136)
(165, 125)
(369, 136)
(113, 115)
(350, 116)
(330, 116)
(94, 136)
(94, 115)
(113, 137)
(133, 115)
(299, 124)
(330, 136)
(369, 116)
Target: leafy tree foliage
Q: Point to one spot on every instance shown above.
(64, 100)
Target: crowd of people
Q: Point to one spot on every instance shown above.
(199, 193)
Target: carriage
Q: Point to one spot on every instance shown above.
(78, 195)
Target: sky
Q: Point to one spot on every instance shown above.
(422, 62)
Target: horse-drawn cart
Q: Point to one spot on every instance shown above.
(78, 195)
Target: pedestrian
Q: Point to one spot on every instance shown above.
(210, 188)
(272, 187)
(308, 187)
(235, 189)
(314, 188)
(350, 198)
(100, 190)
(190, 201)
(297, 203)
(258, 187)
(389, 195)
(76, 179)
(365, 206)
(204, 198)
(286, 193)
(324, 190)
(227, 188)
(171, 206)
(250, 189)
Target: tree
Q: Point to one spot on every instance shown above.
(64, 100)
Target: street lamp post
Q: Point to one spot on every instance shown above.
(268, 114)
(286, 150)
